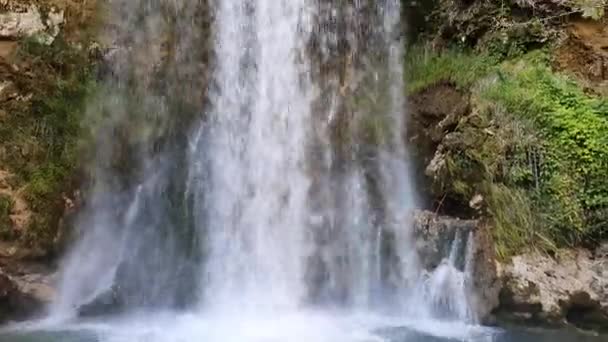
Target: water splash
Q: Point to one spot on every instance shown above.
(253, 152)
(292, 191)
(447, 288)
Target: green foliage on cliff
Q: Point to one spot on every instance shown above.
(6, 207)
(43, 134)
(535, 146)
(425, 67)
(572, 195)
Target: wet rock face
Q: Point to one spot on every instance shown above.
(571, 288)
(25, 290)
(434, 237)
(431, 118)
(8, 291)
(434, 115)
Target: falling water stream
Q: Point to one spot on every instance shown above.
(293, 188)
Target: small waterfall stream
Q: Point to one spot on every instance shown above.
(289, 194)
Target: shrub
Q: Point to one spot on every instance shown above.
(42, 138)
(535, 146)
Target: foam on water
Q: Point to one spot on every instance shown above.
(238, 326)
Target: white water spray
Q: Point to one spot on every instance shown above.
(280, 218)
(254, 151)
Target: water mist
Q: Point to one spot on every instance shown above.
(270, 192)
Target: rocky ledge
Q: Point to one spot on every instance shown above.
(435, 235)
(26, 286)
(568, 288)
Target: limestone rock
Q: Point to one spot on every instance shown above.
(8, 296)
(434, 115)
(7, 91)
(29, 22)
(436, 165)
(434, 236)
(23, 295)
(476, 202)
(26, 286)
(38, 287)
(570, 288)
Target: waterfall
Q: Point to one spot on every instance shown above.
(254, 155)
(285, 186)
(448, 287)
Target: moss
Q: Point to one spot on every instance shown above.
(42, 136)
(6, 208)
(534, 146)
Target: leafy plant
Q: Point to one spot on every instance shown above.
(574, 126)
(43, 135)
(425, 67)
(535, 146)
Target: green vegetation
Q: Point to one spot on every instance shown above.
(425, 67)
(574, 126)
(535, 146)
(42, 135)
(6, 208)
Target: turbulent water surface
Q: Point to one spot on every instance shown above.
(303, 327)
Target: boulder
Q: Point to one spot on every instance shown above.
(570, 288)
(107, 303)
(22, 297)
(9, 298)
(26, 288)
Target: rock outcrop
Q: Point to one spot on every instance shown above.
(570, 288)
(434, 237)
(25, 289)
(435, 112)
(583, 54)
(23, 21)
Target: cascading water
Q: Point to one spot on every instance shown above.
(254, 152)
(292, 192)
(446, 290)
